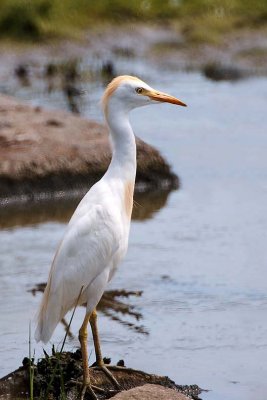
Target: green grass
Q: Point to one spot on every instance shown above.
(208, 21)
(200, 20)
(31, 365)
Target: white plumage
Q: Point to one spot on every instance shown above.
(96, 238)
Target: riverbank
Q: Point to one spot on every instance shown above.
(199, 21)
(238, 54)
(53, 154)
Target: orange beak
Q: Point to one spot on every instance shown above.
(163, 97)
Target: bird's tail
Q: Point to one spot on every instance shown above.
(48, 316)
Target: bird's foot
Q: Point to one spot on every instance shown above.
(105, 368)
(91, 389)
(87, 387)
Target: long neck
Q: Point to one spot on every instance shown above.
(123, 163)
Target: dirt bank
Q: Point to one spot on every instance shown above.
(61, 373)
(52, 153)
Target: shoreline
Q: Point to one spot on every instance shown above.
(242, 50)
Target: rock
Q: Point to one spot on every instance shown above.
(148, 392)
(219, 72)
(56, 154)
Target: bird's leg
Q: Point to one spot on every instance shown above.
(86, 376)
(98, 354)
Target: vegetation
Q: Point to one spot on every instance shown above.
(199, 19)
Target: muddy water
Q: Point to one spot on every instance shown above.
(200, 258)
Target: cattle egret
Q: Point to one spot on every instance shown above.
(96, 238)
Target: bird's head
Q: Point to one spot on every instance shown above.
(128, 92)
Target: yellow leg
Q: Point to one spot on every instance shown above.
(93, 323)
(86, 376)
(98, 354)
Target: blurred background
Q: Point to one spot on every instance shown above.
(195, 276)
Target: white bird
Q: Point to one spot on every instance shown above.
(96, 238)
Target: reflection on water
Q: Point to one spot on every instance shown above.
(61, 210)
(110, 306)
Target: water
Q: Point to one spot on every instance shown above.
(200, 260)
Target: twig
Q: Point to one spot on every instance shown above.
(72, 315)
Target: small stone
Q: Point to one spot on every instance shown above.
(26, 362)
(53, 122)
(77, 355)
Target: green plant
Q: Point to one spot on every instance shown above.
(22, 19)
(31, 365)
(200, 19)
(56, 368)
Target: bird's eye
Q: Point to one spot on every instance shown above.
(139, 90)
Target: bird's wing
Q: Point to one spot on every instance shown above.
(85, 251)
(87, 248)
